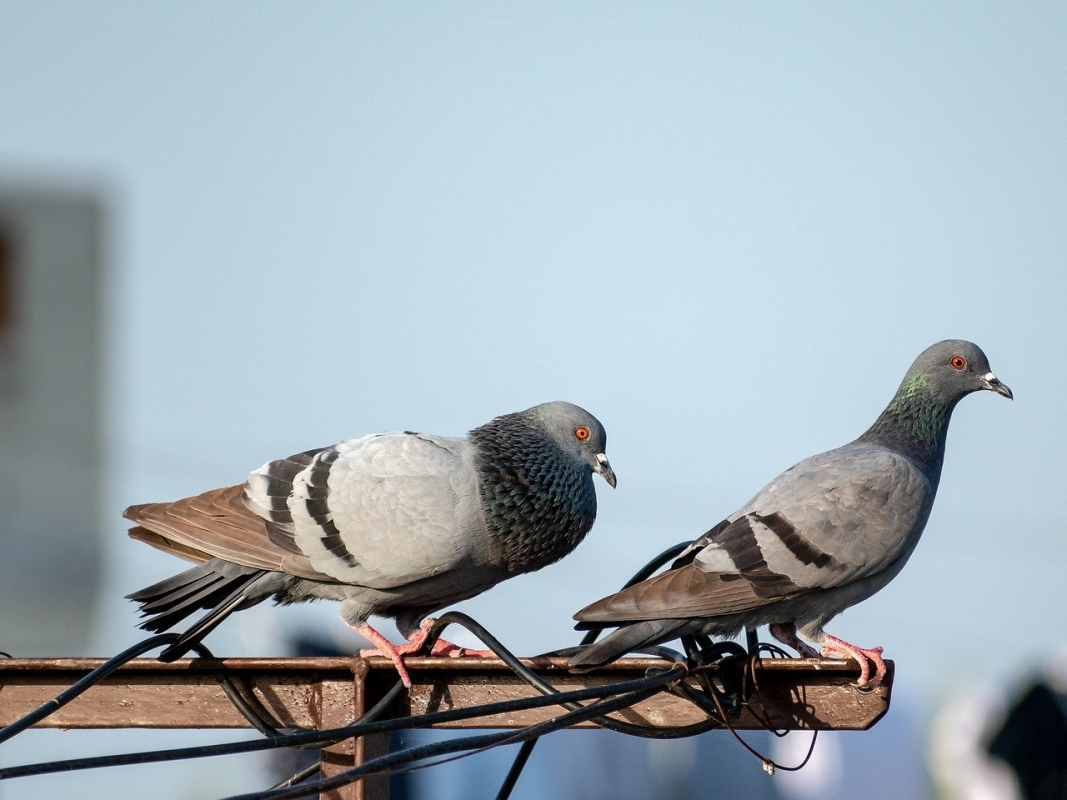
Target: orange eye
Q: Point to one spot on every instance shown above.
(958, 362)
(581, 433)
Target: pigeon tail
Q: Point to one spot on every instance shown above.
(171, 600)
(618, 642)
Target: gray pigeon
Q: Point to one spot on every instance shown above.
(822, 536)
(394, 524)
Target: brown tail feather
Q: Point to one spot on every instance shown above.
(168, 546)
(216, 524)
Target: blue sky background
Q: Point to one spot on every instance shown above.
(724, 229)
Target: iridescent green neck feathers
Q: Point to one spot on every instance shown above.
(915, 424)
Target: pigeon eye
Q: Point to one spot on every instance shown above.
(581, 433)
(958, 362)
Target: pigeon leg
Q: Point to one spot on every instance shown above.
(786, 633)
(832, 646)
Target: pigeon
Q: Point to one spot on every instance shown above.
(824, 535)
(393, 525)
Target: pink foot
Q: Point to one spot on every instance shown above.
(832, 646)
(396, 652)
(383, 647)
(443, 648)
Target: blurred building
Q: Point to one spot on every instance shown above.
(51, 470)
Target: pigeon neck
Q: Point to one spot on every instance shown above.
(538, 502)
(914, 424)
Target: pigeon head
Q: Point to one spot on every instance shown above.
(915, 422)
(577, 432)
(952, 369)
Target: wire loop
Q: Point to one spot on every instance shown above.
(726, 685)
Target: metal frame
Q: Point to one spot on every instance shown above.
(320, 693)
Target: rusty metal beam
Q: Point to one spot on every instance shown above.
(318, 693)
(301, 692)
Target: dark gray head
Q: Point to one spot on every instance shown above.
(952, 369)
(915, 422)
(576, 431)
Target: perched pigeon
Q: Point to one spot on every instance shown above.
(394, 524)
(822, 536)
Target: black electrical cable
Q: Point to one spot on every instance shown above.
(591, 636)
(233, 694)
(376, 711)
(701, 655)
(712, 704)
(272, 736)
(646, 731)
(299, 776)
(525, 751)
(700, 650)
(47, 709)
(330, 736)
(229, 688)
(225, 681)
(406, 758)
(84, 684)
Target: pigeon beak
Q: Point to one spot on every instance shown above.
(993, 384)
(605, 470)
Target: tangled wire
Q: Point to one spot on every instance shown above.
(726, 683)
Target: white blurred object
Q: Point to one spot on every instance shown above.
(960, 766)
(824, 770)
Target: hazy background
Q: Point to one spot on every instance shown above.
(725, 230)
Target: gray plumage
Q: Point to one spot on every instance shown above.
(393, 525)
(824, 535)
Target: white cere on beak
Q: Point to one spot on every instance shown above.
(605, 470)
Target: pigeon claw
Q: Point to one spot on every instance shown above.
(833, 647)
(390, 651)
(415, 643)
(443, 648)
(786, 633)
(396, 652)
(440, 647)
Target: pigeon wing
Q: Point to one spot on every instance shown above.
(830, 520)
(381, 511)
